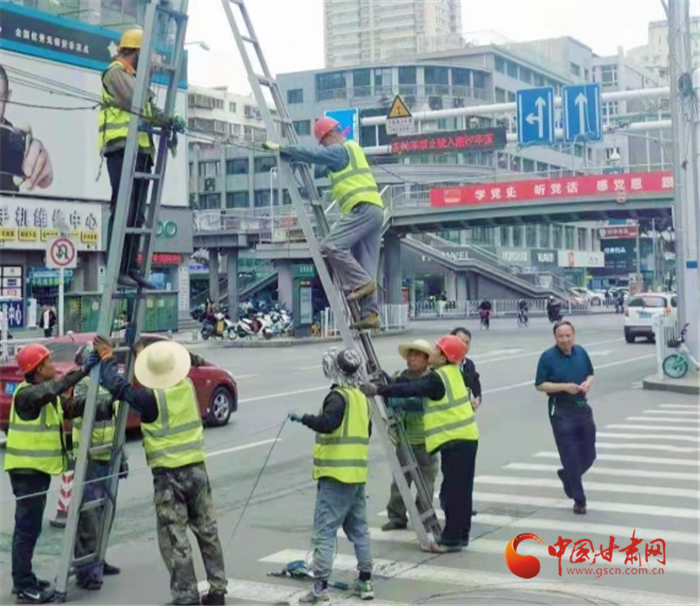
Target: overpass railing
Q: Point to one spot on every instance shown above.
(392, 317)
(500, 308)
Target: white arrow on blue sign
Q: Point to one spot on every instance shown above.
(536, 115)
(582, 116)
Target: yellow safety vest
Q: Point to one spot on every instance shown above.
(354, 184)
(342, 454)
(451, 418)
(36, 444)
(113, 120)
(176, 437)
(102, 432)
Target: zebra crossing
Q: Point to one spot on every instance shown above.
(649, 494)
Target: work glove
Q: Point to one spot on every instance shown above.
(292, 416)
(273, 147)
(92, 360)
(103, 347)
(369, 389)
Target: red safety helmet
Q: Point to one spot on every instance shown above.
(453, 347)
(30, 356)
(323, 126)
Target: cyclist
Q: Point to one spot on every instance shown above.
(485, 312)
(522, 311)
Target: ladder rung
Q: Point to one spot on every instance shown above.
(90, 505)
(86, 559)
(249, 39)
(96, 451)
(138, 230)
(165, 67)
(264, 80)
(147, 176)
(121, 294)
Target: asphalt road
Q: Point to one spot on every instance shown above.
(645, 482)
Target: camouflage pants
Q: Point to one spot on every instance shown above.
(183, 498)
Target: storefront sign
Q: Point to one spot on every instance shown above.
(580, 258)
(11, 282)
(619, 232)
(306, 270)
(14, 312)
(48, 277)
(481, 139)
(540, 257)
(30, 223)
(515, 256)
(602, 186)
(162, 259)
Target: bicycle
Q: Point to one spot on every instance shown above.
(485, 319)
(675, 366)
(522, 318)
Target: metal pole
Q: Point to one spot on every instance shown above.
(654, 249)
(61, 301)
(639, 254)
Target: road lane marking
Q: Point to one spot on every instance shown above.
(607, 471)
(474, 579)
(688, 406)
(664, 447)
(631, 459)
(654, 426)
(249, 376)
(216, 453)
(654, 420)
(682, 413)
(285, 394)
(592, 486)
(646, 436)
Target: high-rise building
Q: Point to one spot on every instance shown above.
(368, 31)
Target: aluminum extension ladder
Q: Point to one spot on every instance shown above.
(161, 53)
(401, 458)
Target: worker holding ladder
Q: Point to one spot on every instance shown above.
(353, 244)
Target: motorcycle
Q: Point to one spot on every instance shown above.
(223, 327)
(554, 313)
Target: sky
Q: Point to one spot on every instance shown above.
(291, 31)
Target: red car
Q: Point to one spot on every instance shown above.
(216, 388)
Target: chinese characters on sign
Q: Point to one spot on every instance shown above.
(51, 41)
(483, 139)
(619, 232)
(604, 186)
(30, 223)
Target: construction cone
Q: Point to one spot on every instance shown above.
(64, 496)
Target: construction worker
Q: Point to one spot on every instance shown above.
(410, 414)
(118, 82)
(471, 377)
(172, 430)
(34, 452)
(90, 575)
(352, 247)
(450, 429)
(343, 428)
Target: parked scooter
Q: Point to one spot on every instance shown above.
(223, 327)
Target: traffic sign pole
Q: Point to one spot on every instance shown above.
(61, 301)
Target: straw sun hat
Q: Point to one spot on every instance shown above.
(162, 365)
(417, 345)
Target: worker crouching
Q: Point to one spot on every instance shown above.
(343, 428)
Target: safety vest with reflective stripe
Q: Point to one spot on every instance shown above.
(354, 184)
(451, 418)
(342, 454)
(113, 120)
(36, 444)
(176, 437)
(102, 431)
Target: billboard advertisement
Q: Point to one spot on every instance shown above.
(580, 258)
(349, 122)
(50, 89)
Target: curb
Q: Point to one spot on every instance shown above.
(653, 383)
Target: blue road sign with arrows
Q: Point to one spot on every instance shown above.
(581, 111)
(536, 115)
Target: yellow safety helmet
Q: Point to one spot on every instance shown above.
(131, 38)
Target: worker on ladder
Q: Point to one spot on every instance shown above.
(89, 576)
(450, 429)
(353, 245)
(343, 428)
(34, 452)
(118, 84)
(173, 442)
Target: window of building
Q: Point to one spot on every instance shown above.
(575, 69)
(237, 199)
(232, 107)
(581, 236)
(210, 168)
(500, 95)
(542, 167)
(569, 237)
(479, 80)
(331, 85)
(382, 78)
(531, 236)
(609, 109)
(539, 80)
(295, 96)
(303, 127)
(586, 75)
(238, 166)
(499, 64)
(505, 235)
(544, 236)
(362, 82)
(608, 75)
(557, 241)
(512, 69)
(262, 198)
(517, 236)
(407, 76)
(511, 97)
(209, 201)
(264, 164)
(436, 75)
(526, 75)
(528, 166)
(461, 77)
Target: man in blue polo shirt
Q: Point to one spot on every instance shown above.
(565, 374)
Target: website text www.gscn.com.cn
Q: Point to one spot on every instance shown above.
(604, 572)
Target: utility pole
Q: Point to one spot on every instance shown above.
(684, 107)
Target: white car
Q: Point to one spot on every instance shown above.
(641, 310)
(587, 295)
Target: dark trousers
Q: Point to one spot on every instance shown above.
(575, 437)
(47, 332)
(137, 209)
(458, 463)
(29, 514)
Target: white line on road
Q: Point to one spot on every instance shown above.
(250, 376)
(664, 447)
(607, 471)
(216, 453)
(692, 429)
(631, 459)
(473, 579)
(284, 394)
(690, 414)
(646, 436)
(626, 508)
(495, 546)
(688, 406)
(691, 422)
(600, 353)
(592, 486)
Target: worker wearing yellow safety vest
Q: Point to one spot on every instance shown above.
(34, 452)
(450, 429)
(172, 430)
(118, 82)
(89, 576)
(343, 428)
(353, 245)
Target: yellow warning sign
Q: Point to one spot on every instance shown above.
(398, 109)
